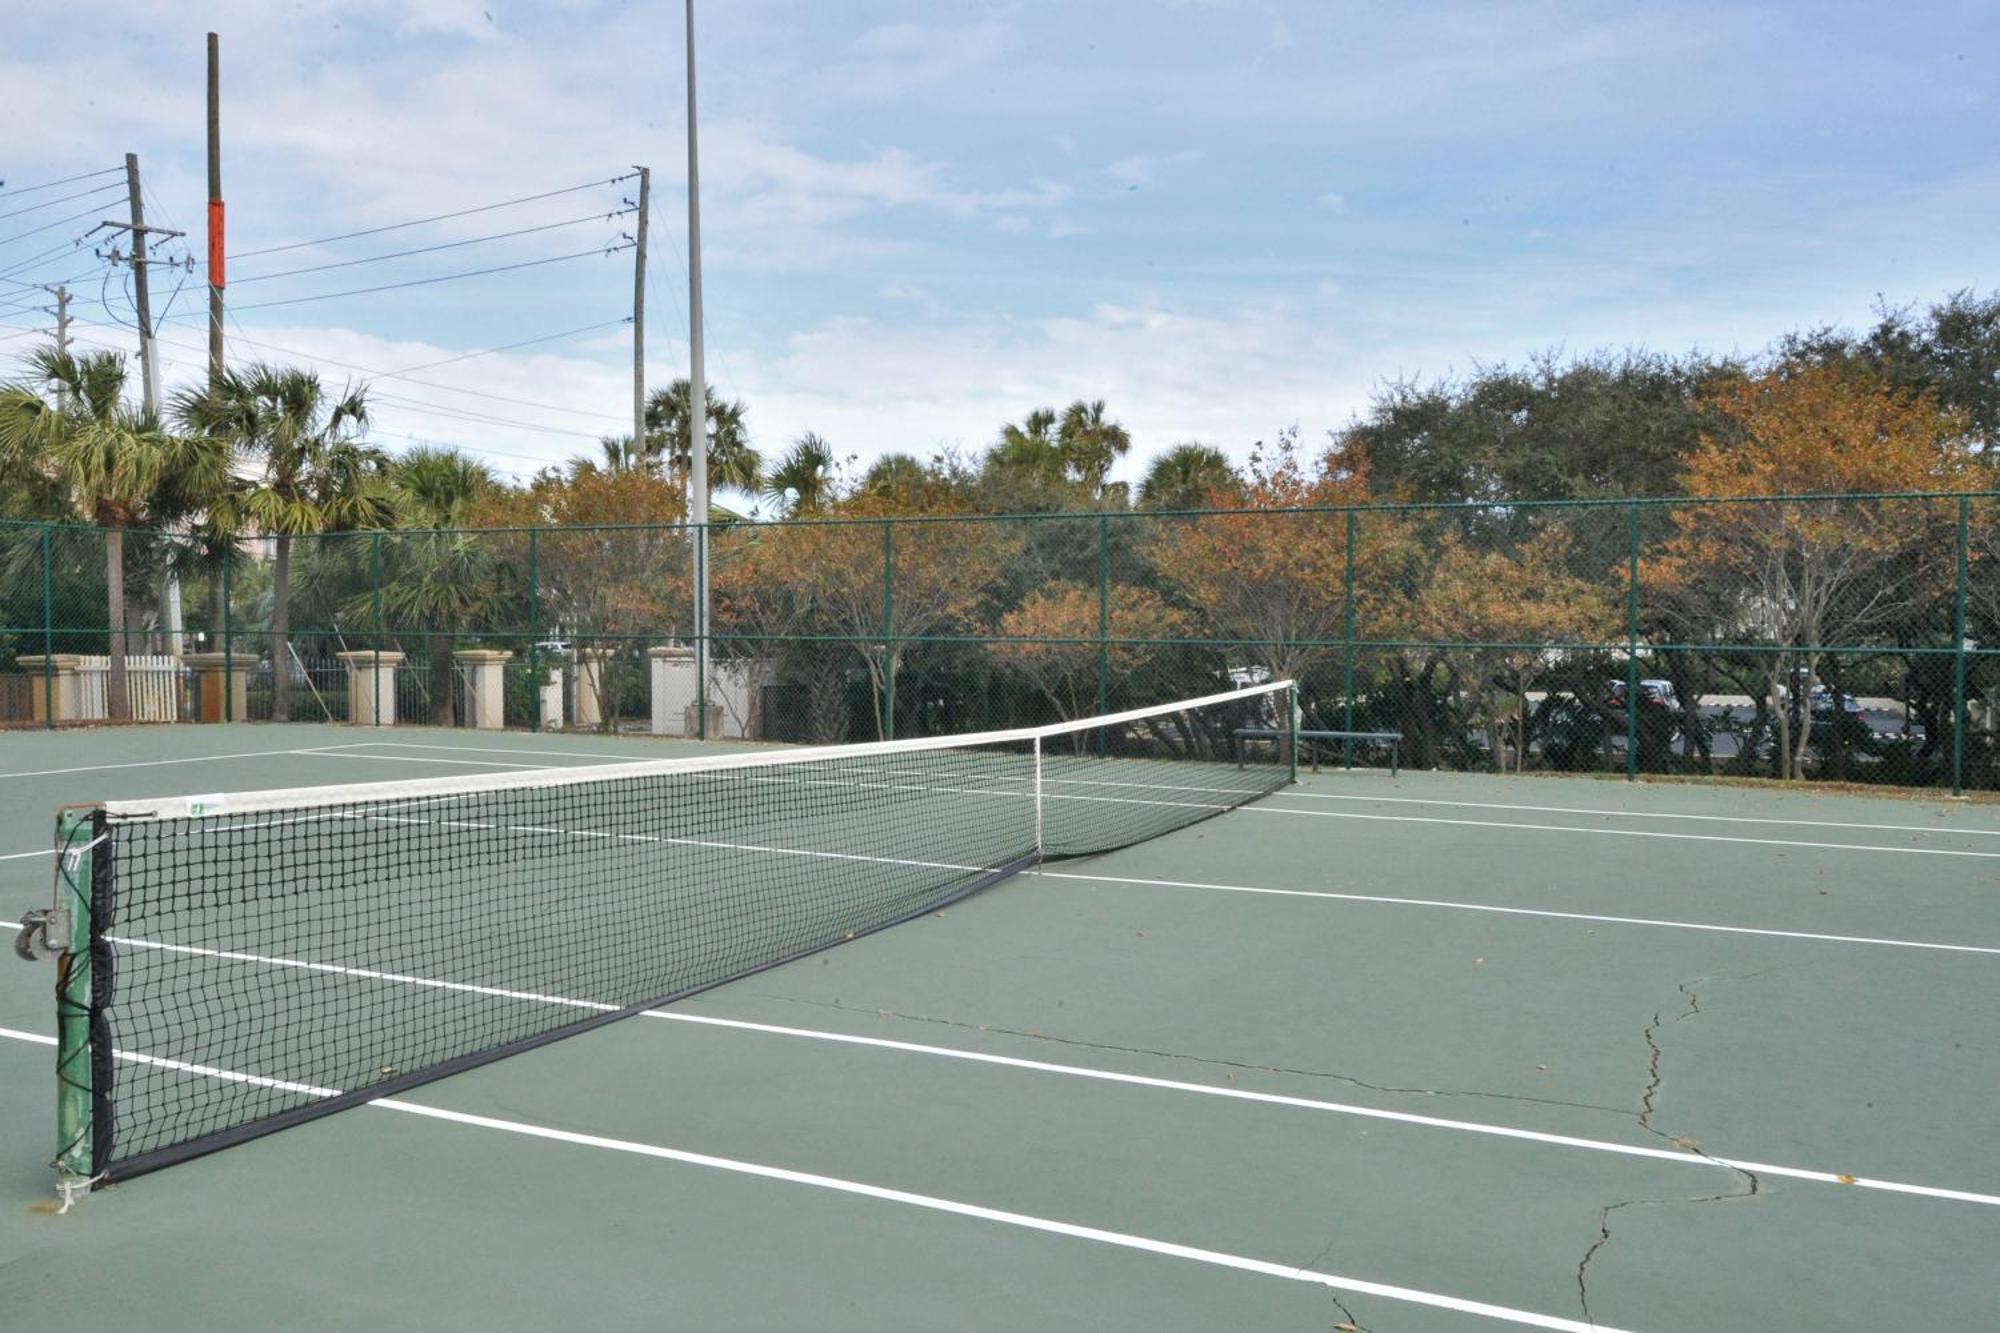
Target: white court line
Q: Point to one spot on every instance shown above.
(1083, 1071)
(1682, 1157)
(22, 856)
(506, 749)
(1518, 911)
(928, 1202)
(1256, 809)
(342, 753)
(1643, 814)
(156, 763)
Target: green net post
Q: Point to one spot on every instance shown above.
(77, 830)
(1347, 638)
(1632, 643)
(1103, 622)
(48, 629)
(888, 630)
(534, 629)
(375, 614)
(1958, 717)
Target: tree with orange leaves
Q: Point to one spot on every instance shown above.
(1803, 574)
(1051, 638)
(1275, 583)
(610, 569)
(867, 580)
(1518, 607)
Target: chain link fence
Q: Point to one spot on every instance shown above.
(1851, 639)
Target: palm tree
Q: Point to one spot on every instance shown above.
(731, 460)
(314, 474)
(113, 465)
(1089, 442)
(895, 476)
(1029, 451)
(1189, 476)
(439, 577)
(803, 481)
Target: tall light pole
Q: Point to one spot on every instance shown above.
(697, 404)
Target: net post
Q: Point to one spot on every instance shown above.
(1958, 717)
(48, 630)
(1347, 671)
(1038, 798)
(78, 1148)
(1632, 644)
(889, 631)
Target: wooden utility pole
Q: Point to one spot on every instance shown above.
(149, 368)
(639, 315)
(62, 319)
(215, 274)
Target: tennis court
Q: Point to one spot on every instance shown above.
(1442, 1051)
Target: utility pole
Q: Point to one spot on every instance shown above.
(148, 359)
(215, 273)
(62, 319)
(697, 403)
(639, 315)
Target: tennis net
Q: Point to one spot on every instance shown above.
(231, 965)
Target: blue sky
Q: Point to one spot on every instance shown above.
(924, 219)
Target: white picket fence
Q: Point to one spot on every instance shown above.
(154, 686)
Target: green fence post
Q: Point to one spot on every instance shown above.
(375, 597)
(77, 829)
(1632, 645)
(534, 631)
(48, 630)
(1347, 637)
(888, 629)
(1958, 711)
(1292, 732)
(1103, 620)
(704, 657)
(228, 640)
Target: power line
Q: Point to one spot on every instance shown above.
(50, 185)
(431, 249)
(439, 217)
(50, 226)
(508, 347)
(448, 388)
(60, 199)
(479, 418)
(423, 282)
(28, 263)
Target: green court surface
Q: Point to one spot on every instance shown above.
(1436, 1052)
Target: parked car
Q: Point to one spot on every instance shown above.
(1652, 694)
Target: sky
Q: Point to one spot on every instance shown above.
(923, 220)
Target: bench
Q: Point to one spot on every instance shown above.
(1392, 739)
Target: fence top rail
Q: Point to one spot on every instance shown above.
(1082, 515)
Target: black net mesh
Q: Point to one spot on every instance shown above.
(277, 955)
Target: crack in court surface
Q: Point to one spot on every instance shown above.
(1217, 1062)
(1647, 1108)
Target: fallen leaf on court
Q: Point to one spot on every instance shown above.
(1684, 1143)
(1479, 962)
(1543, 1068)
(1343, 1328)
(1846, 1179)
